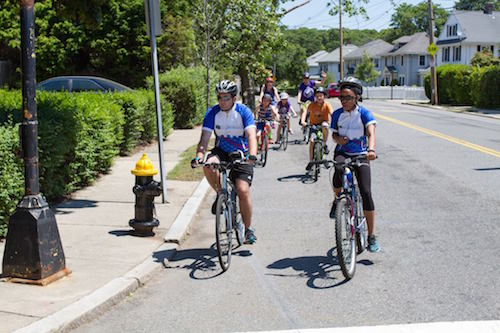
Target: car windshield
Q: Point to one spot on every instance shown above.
(112, 86)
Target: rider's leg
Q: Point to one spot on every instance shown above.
(243, 188)
(278, 133)
(311, 147)
(364, 182)
(212, 174)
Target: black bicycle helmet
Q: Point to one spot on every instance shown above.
(320, 90)
(226, 86)
(353, 84)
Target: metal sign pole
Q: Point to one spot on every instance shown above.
(159, 128)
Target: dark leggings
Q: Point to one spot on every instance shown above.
(364, 181)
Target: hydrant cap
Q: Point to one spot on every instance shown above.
(144, 167)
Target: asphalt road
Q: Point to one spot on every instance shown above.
(435, 186)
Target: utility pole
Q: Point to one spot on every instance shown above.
(207, 52)
(341, 64)
(434, 92)
(33, 250)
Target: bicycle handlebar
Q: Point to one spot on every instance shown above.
(349, 161)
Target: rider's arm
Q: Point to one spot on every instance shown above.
(323, 78)
(299, 96)
(370, 129)
(251, 134)
(275, 113)
(202, 145)
(261, 93)
(276, 95)
(293, 111)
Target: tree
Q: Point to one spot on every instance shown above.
(291, 63)
(484, 58)
(252, 34)
(409, 19)
(476, 4)
(365, 71)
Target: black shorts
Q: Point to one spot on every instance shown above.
(239, 171)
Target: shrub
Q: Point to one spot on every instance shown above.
(185, 89)
(286, 86)
(484, 86)
(11, 174)
(394, 82)
(453, 84)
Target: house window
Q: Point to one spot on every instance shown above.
(401, 60)
(422, 61)
(401, 80)
(457, 53)
(386, 61)
(375, 61)
(454, 30)
(446, 54)
(492, 48)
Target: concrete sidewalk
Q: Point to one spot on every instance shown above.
(490, 113)
(106, 260)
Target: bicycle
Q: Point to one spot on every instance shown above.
(317, 131)
(351, 230)
(284, 132)
(227, 215)
(263, 147)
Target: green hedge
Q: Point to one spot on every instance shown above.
(79, 134)
(11, 174)
(185, 89)
(466, 85)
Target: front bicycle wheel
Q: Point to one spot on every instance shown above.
(344, 236)
(361, 226)
(265, 148)
(223, 232)
(316, 157)
(284, 136)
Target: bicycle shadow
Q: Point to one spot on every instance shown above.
(322, 272)
(304, 178)
(203, 263)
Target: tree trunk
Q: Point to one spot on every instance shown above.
(247, 88)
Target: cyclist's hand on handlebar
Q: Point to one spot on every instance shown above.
(371, 155)
(195, 162)
(343, 140)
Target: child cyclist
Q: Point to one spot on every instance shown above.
(264, 114)
(284, 109)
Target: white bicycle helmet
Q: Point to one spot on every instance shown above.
(226, 86)
(284, 95)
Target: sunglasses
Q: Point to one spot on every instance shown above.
(346, 98)
(224, 98)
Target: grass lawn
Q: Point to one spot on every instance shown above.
(183, 170)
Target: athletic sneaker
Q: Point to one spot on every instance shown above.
(250, 236)
(291, 131)
(325, 150)
(214, 205)
(373, 244)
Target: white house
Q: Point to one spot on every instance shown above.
(408, 61)
(330, 62)
(467, 32)
(375, 49)
(312, 63)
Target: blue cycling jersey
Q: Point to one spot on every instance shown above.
(352, 125)
(229, 127)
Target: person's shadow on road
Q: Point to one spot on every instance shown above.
(203, 263)
(322, 272)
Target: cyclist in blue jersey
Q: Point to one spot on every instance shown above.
(353, 129)
(234, 128)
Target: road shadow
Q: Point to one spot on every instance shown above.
(130, 232)
(321, 272)
(304, 178)
(487, 169)
(203, 263)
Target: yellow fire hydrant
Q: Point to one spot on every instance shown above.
(145, 190)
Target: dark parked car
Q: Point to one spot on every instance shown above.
(81, 83)
(333, 90)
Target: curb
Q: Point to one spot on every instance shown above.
(91, 306)
(178, 229)
(443, 108)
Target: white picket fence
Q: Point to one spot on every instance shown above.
(396, 92)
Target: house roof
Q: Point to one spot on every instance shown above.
(334, 56)
(416, 44)
(478, 26)
(402, 39)
(375, 48)
(312, 60)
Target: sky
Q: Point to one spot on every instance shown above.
(315, 14)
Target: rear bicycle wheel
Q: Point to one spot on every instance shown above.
(344, 237)
(361, 226)
(223, 232)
